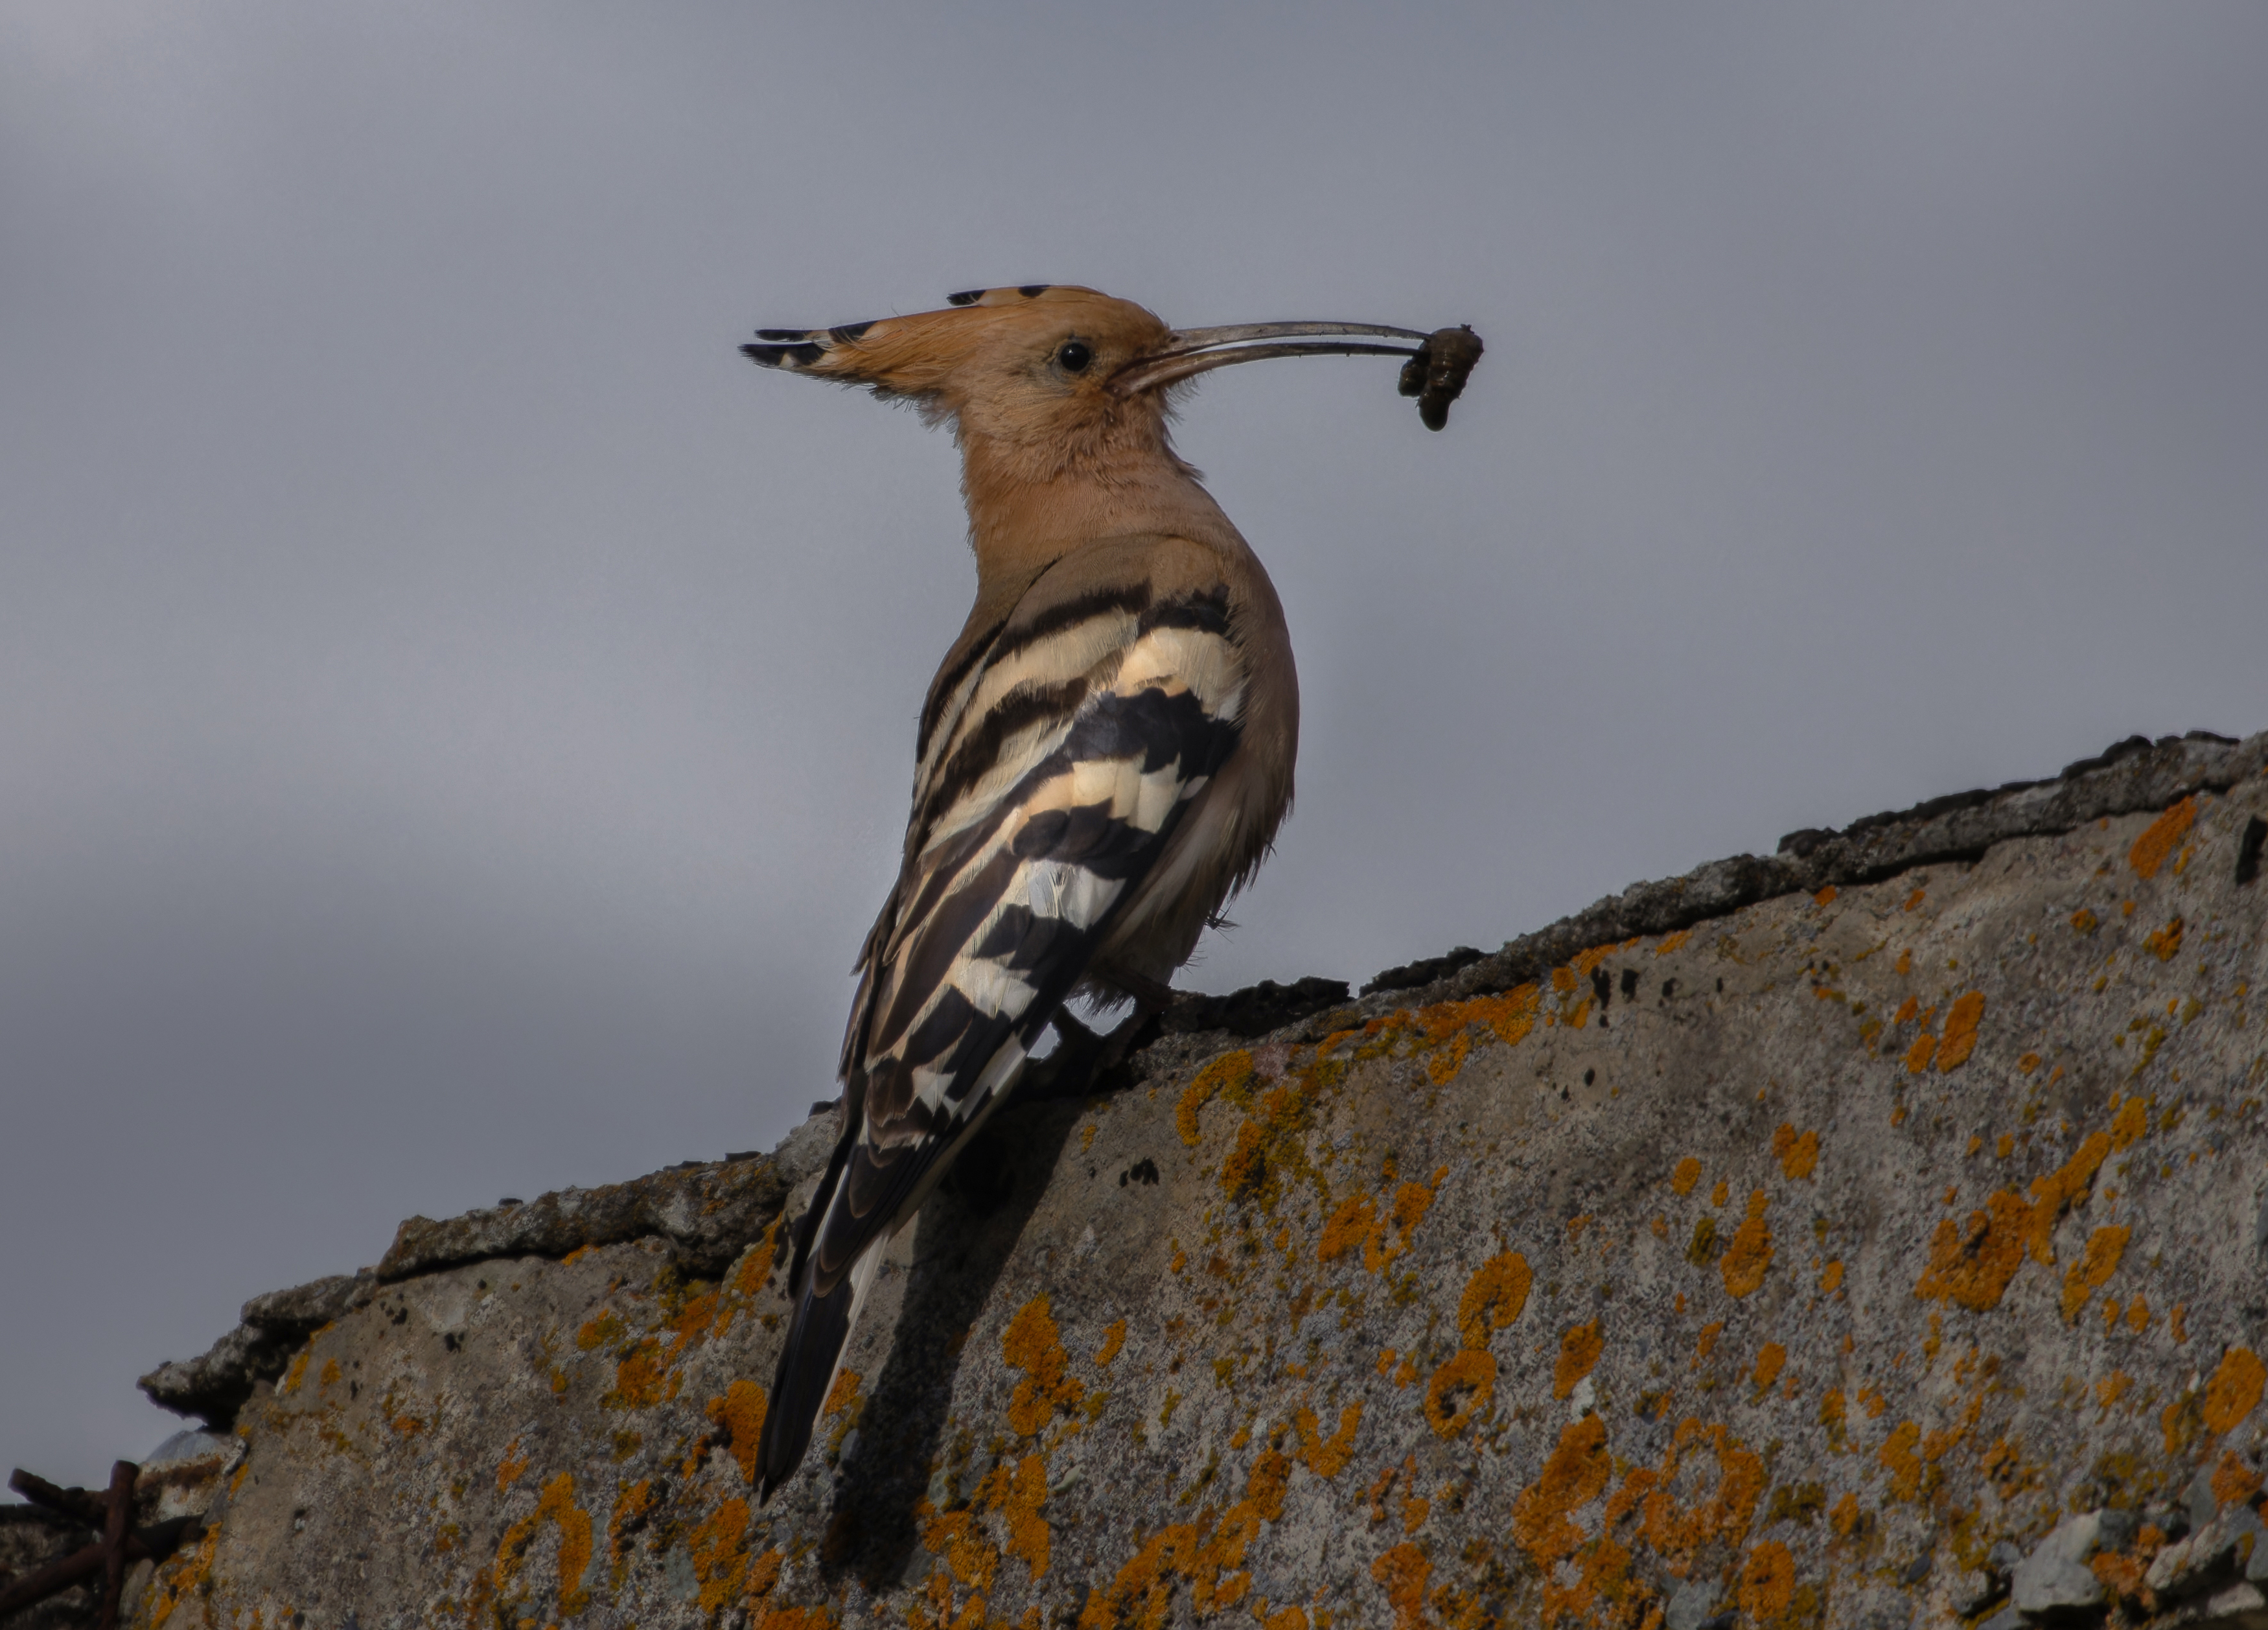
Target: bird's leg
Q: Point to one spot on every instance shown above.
(1065, 1072)
(1082, 1059)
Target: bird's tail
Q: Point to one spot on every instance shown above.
(816, 1337)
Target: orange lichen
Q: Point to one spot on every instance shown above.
(641, 1379)
(1575, 1474)
(1357, 1221)
(1445, 1032)
(1232, 1073)
(1412, 1201)
(1744, 1266)
(1770, 1360)
(633, 1506)
(1401, 1574)
(692, 1325)
(1845, 1518)
(1216, 1574)
(1919, 1055)
(1683, 1180)
(2181, 1422)
(1825, 896)
(1673, 943)
(2235, 1389)
(2104, 1247)
(1349, 1226)
(2163, 942)
(1915, 898)
(1493, 1297)
(1903, 967)
(2121, 1576)
(1018, 1492)
(2111, 1388)
(2159, 839)
(1960, 1039)
(1767, 1582)
(1113, 1339)
(1587, 1578)
(1834, 1414)
(2177, 1324)
(1707, 1344)
(1444, 1029)
(606, 1329)
(959, 1537)
(2233, 1481)
(1898, 1457)
(1579, 1347)
(2138, 1314)
(1797, 1154)
(1972, 1267)
(1244, 1170)
(512, 1468)
(1032, 1345)
(1830, 1277)
(844, 1395)
(1722, 1192)
(1460, 1389)
(2084, 921)
(186, 1573)
(2053, 1194)
(763, 1575)
(740, 1412)
(1326, 1457)
(1144, 1587)
(556, 1505)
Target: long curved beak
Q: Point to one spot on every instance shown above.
(1191, 351)
(1436, 371)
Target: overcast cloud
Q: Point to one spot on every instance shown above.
(455, 715)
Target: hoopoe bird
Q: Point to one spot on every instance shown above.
(1102, 759)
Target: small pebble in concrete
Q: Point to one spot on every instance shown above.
(2055, 1580)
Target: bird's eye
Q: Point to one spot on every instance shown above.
(1074, 355)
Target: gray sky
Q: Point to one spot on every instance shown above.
(455, 715)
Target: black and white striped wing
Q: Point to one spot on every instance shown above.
(1037, 826)
(1043, 803)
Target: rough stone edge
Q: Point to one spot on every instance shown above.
(709, 1210)
(2136, 775)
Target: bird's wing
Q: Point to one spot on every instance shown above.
(1053, 770)
(1044, 797)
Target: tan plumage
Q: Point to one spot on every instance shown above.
(1102, 759)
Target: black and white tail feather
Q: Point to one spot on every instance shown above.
(1058, 750)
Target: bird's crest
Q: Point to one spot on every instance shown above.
(1048, 342)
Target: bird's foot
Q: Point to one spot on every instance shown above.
(1083, 1063)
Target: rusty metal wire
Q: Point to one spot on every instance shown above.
(110, 1513)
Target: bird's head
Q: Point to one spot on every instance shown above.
(1056, 365)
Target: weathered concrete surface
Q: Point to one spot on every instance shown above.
(1829, 1260)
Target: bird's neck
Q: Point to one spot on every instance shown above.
(1030, 504)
